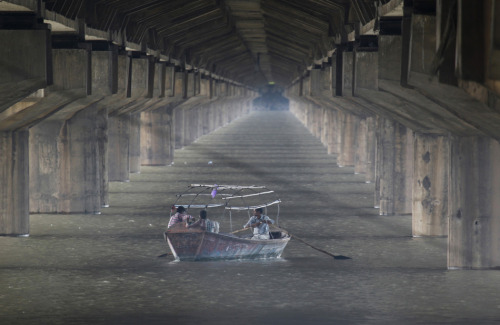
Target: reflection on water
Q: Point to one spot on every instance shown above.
(106, 269)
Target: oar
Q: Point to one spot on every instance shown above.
(233, 232)
(337, 257)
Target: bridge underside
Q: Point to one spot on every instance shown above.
(406, 92)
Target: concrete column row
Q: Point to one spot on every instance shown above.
(104, 116)
(446, 177)
(410, 170)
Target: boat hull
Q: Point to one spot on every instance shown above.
(201, 245)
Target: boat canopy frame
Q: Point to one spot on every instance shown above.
(226, 195)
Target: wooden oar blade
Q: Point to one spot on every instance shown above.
(341, 257)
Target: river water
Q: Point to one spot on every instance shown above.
(112, 269)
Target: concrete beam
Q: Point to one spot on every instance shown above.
(24, 63)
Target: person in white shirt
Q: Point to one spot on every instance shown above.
(260, 224)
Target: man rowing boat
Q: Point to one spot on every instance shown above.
(260, 224)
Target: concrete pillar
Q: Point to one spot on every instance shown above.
(170, 81)
(430, 185)
(348, 126)
(193, 125)
(80, 182)
(179, 112)
(204, 86)
(197, 83)
(156, 137)
(473, 239)
(14, 177)
(306, 81)
(45, 162)
(190, 124)
(361, 148)
(208, 117)
(219, 109)
(303, 109)
(366, 77)
(316, 126)
(324, 127)
(215, 88)
(104, 81)
(378, 162)
(67, 148)
(185, 85)
(191, 84)
(200, 121)
(118, 147)
(331, 131)
(339, 70)
(310, 117)
(371, 147)
(134, 151)
(102, 143)
(179, 127)
(395, 167)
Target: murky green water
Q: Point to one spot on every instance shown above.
(106, 269)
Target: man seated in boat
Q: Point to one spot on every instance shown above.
(179, 216)
(201, 223)
(260, 224)
(204, 223)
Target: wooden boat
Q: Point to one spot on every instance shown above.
(195, 244)
(189, 244)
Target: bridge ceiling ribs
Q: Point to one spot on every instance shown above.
(252, 41)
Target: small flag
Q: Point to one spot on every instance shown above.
(214, 191)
